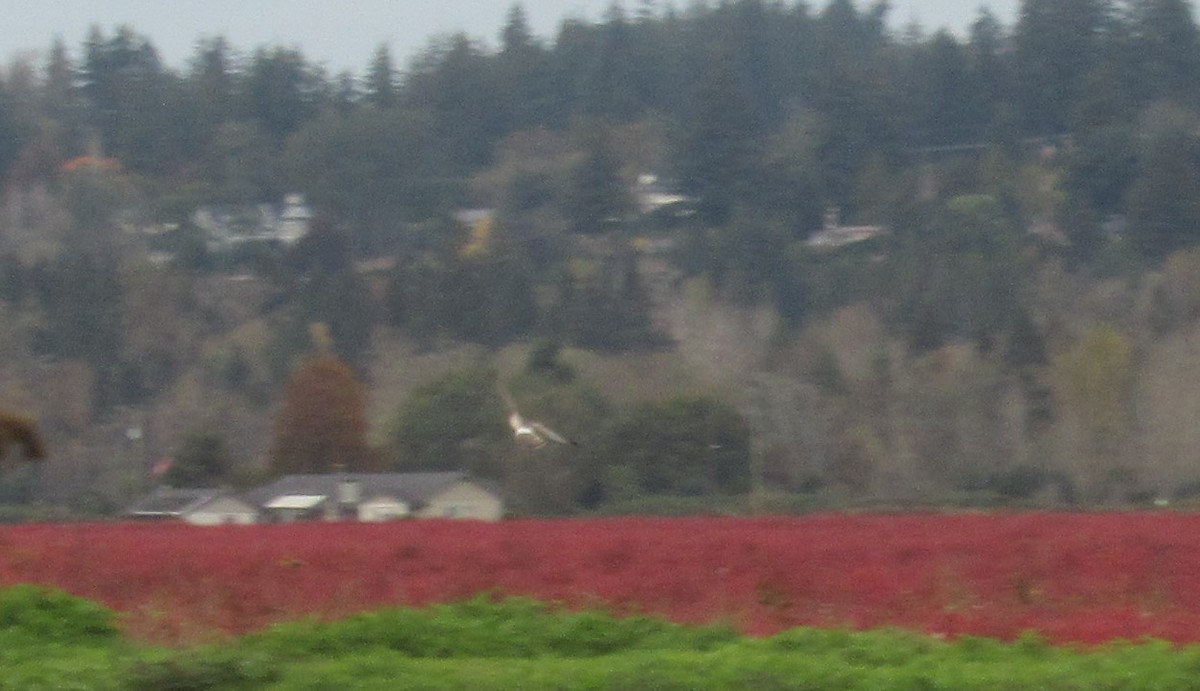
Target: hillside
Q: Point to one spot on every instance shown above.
(841, 405)
(744, 253)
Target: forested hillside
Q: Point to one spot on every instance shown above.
(619, 222)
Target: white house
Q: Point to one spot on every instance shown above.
(226, 226)
(652, 197)
(294, 219)
(195, 506)
(377, 497)
(462, 499)
(383, 509)
(834, 234)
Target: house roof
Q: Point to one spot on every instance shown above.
(170, 501)
(415, 489)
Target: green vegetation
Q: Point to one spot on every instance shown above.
(54, 641)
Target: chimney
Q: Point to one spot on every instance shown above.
(349, 492)
(347, 495)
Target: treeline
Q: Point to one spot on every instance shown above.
(1070, 137)
(766, 114)
(745, 105)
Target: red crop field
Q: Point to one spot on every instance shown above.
(1073, 577)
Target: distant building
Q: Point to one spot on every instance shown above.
(195, 506)
(368, 497)
(228, 225)
(470, 217)
(479, 223)
(376, 497)
(652, 197)
(834, 234)
(294, 219)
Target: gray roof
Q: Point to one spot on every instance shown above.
(170, 501)
(415, 489)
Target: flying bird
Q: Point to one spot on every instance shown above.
(530, 433)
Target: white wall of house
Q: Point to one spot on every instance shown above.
(382, 509)
(222, 511)
(464, 500)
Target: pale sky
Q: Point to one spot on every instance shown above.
(343, 34)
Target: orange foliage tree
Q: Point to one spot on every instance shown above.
(18, 430)
(322, 425)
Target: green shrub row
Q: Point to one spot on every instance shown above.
(55, 641)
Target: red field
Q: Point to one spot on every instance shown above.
(1073, 577)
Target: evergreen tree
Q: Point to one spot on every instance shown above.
(597, 199)
(990, 70)
(1057, 43)
(610, 86)
(280, 91)
(453, 79)
(961, 281)
(943, 75)
(1164, 50)
(852, 86)
(1164, 198)
(381, 82)
(516, 38)
(137, 107)
(372, 167)
(12, 138)
(80, 296)
(211, 81)
(201, 461)
(60, 92)
(524, 79)
(718, 143)
(603, 305)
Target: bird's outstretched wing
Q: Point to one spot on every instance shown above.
(550, 435)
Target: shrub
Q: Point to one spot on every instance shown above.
(39, 615)
(217, 668)
(482, 627)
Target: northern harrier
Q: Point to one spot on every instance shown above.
(530, 433)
